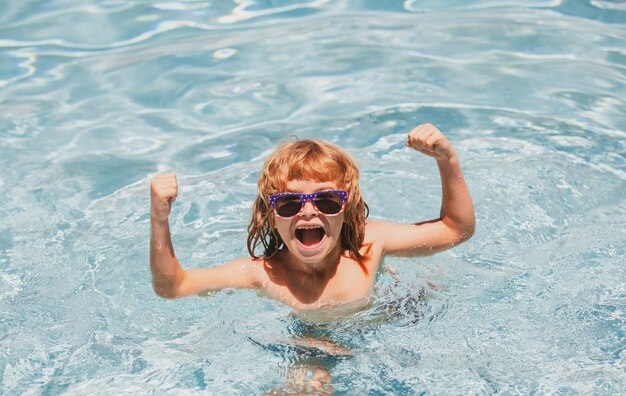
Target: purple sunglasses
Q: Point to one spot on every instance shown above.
(329, 202)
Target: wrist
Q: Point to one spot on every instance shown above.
(450, 159)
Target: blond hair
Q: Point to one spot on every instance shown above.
(307, 160)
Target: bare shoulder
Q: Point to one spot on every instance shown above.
(385, 235)
(251, 270)
(373, 242)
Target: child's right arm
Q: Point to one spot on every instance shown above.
(168, 278)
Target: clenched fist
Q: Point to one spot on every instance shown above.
(163, 191)
(429, 140)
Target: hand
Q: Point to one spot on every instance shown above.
(429, 140)
(163, 191)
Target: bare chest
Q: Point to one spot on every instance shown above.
(351, 282)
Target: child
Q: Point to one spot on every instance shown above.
(309, 219)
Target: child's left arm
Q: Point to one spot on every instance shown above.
(456, 222)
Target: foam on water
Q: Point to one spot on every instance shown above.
(96, 97)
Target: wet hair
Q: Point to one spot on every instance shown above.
(307, 160)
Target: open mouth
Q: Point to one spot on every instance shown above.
(310, 236)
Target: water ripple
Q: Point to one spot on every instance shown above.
(97, 97)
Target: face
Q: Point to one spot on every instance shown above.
(310, 235)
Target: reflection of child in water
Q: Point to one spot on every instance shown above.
(310, 221)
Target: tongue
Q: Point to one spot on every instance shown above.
(310, 237)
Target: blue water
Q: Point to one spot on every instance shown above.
(98, 96)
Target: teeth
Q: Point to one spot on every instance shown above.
(308, 227)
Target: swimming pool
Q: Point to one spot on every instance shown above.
(97, 96)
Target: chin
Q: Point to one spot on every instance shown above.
(312, 254)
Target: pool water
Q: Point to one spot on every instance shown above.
(98, 96)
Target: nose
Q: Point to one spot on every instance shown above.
(308, 210)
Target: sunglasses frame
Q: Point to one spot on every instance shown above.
(309, 197)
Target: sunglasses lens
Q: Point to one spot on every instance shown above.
(288, 205)
(329, 203)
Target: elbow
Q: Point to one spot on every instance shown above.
(166, 295)
(167, 285)
(466, 227)
(461, 231)
(467, 232)
(164, 291)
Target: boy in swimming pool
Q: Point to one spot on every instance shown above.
(310, 220)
